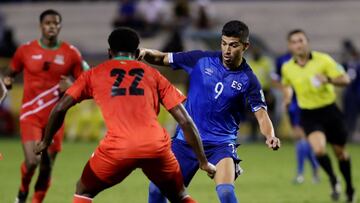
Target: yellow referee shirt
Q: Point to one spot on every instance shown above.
(262, 69)
(309, 92)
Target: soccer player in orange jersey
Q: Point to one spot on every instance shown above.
(129, 94)
(47, 64)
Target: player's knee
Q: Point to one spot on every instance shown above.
(31, 163)
(319, 151)
(226, 193)
(341, 154)
(79, 188)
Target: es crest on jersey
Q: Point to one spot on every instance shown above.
(236, 85)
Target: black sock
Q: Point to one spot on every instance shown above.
(325, 163)
(345, 168)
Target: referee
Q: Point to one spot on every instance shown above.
(313, 75)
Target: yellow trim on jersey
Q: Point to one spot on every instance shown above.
(309, 92)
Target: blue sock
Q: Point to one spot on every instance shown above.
(301, 146)
(312, 158)
(155, 195)
(226, 193)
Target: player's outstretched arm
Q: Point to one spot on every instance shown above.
(192, 137)
(154, 57)
(267, 129)
(342, 80)
(56, 120)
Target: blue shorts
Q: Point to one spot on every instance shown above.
(294, 112)
(214, 153)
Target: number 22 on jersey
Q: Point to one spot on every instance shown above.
(116, 90)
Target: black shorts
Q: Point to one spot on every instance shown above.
(329, 120)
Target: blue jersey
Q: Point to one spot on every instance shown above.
(217, 96)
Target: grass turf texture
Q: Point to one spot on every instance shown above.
(267, 178)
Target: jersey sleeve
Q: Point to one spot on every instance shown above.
(81, 89)
(169, 95)
(17, 62)
(185, 60)
(79, 65)
(255, 95)
(332, 68)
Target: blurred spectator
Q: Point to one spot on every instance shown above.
(202, 20)
(7, 124)
(181, 20)
(151, 13)
(181, 11)
(7, 44)
(2, 26)
(351, 62)
(126, 15)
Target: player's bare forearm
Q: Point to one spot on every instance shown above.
(265, 124)
(65, 82)
(191, 132)
(267, 129)
(56, 118)
(193, 138)
(287, 94)
(154, 57)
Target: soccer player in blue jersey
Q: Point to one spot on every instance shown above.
(221, 83)
(303, 148)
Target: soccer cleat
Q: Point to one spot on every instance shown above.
(238, 170)
(299, 179)
(316, 179)
(336, 190)
(351, 196)
(21, 198)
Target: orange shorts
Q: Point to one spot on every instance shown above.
(30, 131)
(102, 172)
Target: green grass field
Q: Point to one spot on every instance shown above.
(267, 178)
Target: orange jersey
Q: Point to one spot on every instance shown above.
(43, 68)
(128, 93)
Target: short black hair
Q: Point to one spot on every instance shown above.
(236, 28)
(296, 31)
(49, 12)
(124, 39)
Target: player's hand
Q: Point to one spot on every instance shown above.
(65, 83)
(8, 81)
(273, 143)
(141, 53)
(40, 147)
(209, 168)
